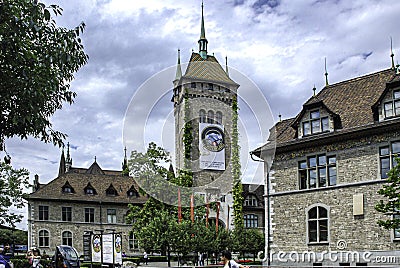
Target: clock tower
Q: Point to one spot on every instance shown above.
(203, 96)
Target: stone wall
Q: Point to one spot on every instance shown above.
(55, 226)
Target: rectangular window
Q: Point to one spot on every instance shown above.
(66, 214)
(43, 213)
(89, 214)
(316, 123)
(193, 85)
(392, 107)
(250, 221)
(387, 155)
(112, 215)
(317, 171)
(396, 230)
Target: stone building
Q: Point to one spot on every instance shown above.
(330, 161)
(78, 201)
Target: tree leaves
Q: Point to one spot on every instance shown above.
(391, 205)
(12, 185)
(37, 63)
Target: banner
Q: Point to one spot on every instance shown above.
(118, 249)
(96, 248)
(108, 251)
(212, 146)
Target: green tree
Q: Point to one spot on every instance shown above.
(9, 236)
(391, 205)
(12, 185)
(37, 63)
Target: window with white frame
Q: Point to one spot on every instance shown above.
(89, 214)
(392, 107)
(43, 213)
(111, 215)
(315, 123)
(133, 243)
(66, 214)
(387, 155)
(317, 224)
(251, 201)
(317, 171)
(250, 221)
(396, 230)
(67, 238)
(44, 238)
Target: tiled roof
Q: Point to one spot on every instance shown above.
(207, 70)
(100, 182)
(352, 100)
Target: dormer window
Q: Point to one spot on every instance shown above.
(392, 107)
(251, 201)
(132, 192)
(67, 188)
(89, 190)
(315, 123)
(111, 191)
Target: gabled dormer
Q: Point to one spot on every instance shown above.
(89, 189)
(67, 188)
(132, 192)
(388, 105)
(315, 118)
(111, 191)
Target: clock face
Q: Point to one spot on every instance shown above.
(213, 139)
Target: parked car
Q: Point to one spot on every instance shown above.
(65, 257)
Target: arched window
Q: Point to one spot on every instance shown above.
(44, 238)
(218, 117)
(210, 117)
(67, 238)
(317, 223)
(202, 116)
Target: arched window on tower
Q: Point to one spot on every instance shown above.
(210, 117)
(218, 117)
(202, 116)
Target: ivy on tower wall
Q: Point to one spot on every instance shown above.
(236, 173)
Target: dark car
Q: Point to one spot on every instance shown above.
(65, 257)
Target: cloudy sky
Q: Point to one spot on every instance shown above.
(279, 45)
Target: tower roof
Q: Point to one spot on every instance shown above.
(207, 70)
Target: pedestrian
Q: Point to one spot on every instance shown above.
(145, 257)
(200, 259)
(3, 262)
(226, 258)
(36, 258)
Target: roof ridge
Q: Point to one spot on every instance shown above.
(355, 79)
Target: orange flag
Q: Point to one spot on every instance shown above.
(179, 206)
(192, 208)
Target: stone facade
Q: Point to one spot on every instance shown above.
(81, 201)
(324, 184)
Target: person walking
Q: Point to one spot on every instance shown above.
(145, 257)
(226, 258)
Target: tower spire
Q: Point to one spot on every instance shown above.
(68, 160)
(178, 74)
(226, 66)
(391, 52)
(203, 40)
(125, 170)
(61, 168)
(326, 75)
